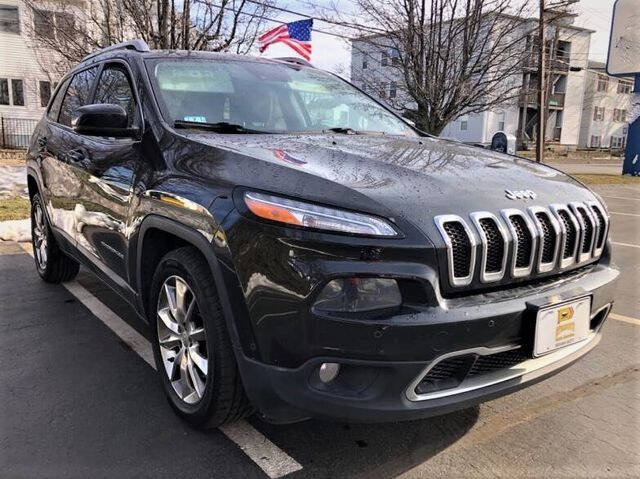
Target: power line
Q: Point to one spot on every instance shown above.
(331, 22)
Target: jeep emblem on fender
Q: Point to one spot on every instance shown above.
(520, 194)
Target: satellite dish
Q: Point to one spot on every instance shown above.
(624, 42)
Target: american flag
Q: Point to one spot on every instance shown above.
(297, 35)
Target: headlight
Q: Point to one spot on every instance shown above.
(313, 216)
(357, 295)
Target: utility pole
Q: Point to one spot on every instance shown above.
(541, 87)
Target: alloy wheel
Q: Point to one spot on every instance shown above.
(182, 340)
(40, 241)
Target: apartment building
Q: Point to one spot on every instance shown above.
(606, 108)
(372, 69)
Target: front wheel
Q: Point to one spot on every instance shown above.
(191, 345)
(52, 264)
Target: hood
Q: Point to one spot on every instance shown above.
(415, 178)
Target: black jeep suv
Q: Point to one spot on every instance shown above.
(298, 249)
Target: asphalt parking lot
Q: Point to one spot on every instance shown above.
(80, 399)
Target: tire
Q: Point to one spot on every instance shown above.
(194, 332)
(52, 264)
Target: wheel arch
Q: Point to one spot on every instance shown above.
(162, 227)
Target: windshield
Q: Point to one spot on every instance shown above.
(266, 97)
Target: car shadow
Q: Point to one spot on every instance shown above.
(331, 449)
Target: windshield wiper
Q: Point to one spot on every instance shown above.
(344, 130)
(219, 127)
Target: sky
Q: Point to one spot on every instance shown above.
(334, 54)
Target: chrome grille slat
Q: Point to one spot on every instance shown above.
(538, 240)
(443, 224)
(494, 243)
(602, 226)
(520, 226)
(587, 230)
(550, 234)
(570, 236)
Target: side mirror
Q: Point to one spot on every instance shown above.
(102, 119)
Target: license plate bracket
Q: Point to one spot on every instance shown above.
(561, 324)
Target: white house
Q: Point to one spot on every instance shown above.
(605, 110)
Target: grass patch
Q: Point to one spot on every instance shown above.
(609, 180)
(15, 208)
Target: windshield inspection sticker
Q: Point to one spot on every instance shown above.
(196, 119)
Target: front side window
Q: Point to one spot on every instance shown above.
(266, 97)
(595, 141)
(17, 90)
(54, 109)
(9, 19)
(77, 95)
(114, 88)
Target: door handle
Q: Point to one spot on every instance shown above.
(76, 156)
(42, 144)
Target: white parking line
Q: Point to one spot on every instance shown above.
(623, 214)
(621, 198)
(269, 457)
(626, 319)
(626, 244)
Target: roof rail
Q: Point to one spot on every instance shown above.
(296, 60)
(137, 45)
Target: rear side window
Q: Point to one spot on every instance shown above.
(114, 87)
(54, 110)
(77, 95)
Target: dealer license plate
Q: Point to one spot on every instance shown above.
(561, 325)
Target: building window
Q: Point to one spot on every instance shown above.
(383, 90)
(624, 87)
(384, 58)
(4, 91)
(598, 113)
(43, 23)
(501, 117)
(17, 90)
(595, 141)
(364, 62)
(393, 89)
(603, 83)
(617, 142)
(45, 93)
(48, 24)
(9, 19)
(619, 115)
(464, 123)
(395, 57)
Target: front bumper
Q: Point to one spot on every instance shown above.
(385, 390)
(288, 395)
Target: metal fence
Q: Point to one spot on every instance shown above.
(15, 133)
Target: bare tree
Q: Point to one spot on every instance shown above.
(451, 57)
(63, 32)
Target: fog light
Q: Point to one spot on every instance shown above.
(328, 372)
(354, 295)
